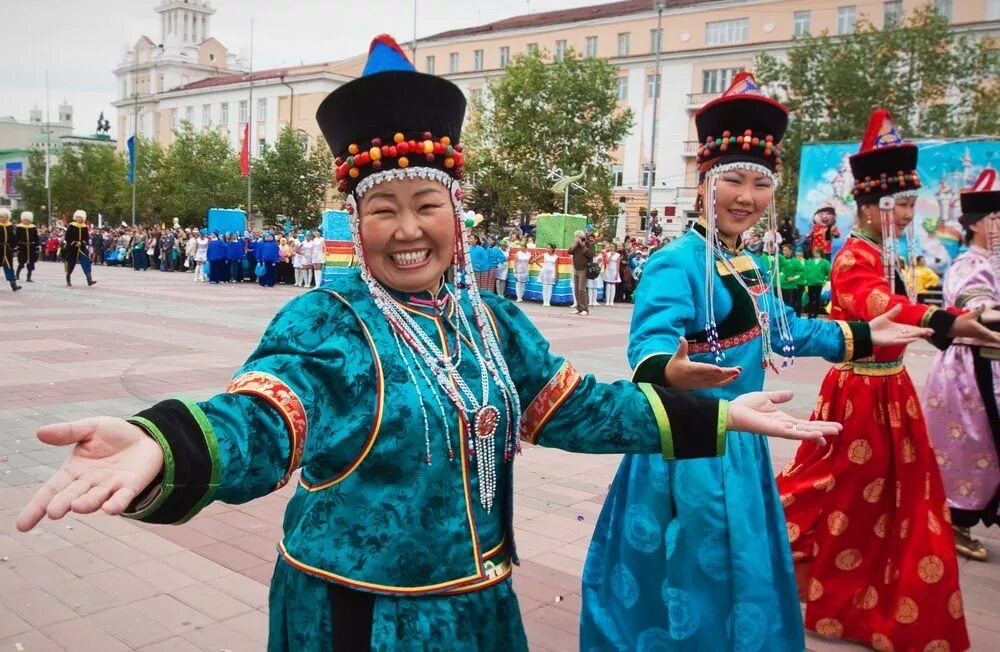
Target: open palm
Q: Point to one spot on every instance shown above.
(886, 332)
(111, 462)
(758, 412)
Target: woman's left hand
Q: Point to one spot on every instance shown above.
(886, 332)
(758, 412)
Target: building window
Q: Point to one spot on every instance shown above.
(206, 115)
(189, 115)
(800, 23)
(655, 40)
(261, 145)
(262, 109)
(477, 60)
(721, 32)
(591, 46)
(224, 113)
(476, 94)
(945, 8)
(621, 88)
(646, 177)
(617, 175)
(453, 62)
(429, 64)
(244, 112)
(504, 56)
(173, 120)
(560, 49)
(892, 13)
(624, 44)
(718, 80)
(652, 86)
(532, 48)
(124, 88)
(845, 19)
(993, 10)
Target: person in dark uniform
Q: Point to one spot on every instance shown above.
(76, 245)
(7, 249)
(28, 246)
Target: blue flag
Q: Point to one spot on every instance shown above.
(131, 160)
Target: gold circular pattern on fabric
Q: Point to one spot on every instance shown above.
(881, 526)
(859, 452)
(793, 532)
(826, 483)
(912, 408)
(878, 301)
(930, 569)
(830, 627)
(837, 523)
(873, 490)
(881, 643)
(907, 611)
(933, 524)
(904, 528)
(815, 591)
(946, 511)
(848, 409)
(939, 645)
(826, 412)
(909, 450)
(955, 607)
(848, 559)
(841, 379)
(787, 499)
(866, 599)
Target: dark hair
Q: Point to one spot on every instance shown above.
(476, 238)
(551, 246)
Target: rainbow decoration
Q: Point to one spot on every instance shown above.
(562, 294)
(339, 252)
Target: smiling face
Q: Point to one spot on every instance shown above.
(903, 212)
(741, 198)
(408, 233)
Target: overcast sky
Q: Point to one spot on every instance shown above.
(80, 42)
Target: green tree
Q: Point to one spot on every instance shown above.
(544, 114)
(935, 83)
(150, 185)
(200, 171)
(31, 184)
(289, 181)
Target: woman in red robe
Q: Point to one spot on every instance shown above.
(867, 519)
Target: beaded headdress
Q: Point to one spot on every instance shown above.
(885, 170)
(394, 123)
(742, 130)
(979, 201)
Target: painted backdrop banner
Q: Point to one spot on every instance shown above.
(945, 167)
(12, 171)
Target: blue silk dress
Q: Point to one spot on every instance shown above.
(693, 555)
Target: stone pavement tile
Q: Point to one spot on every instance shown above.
(214, 528)
(816, 643)
(568, 582)
(72, 528)
(172, 614)
(130, 625)
(36, 607)
(33, 641)
(150, 543)
(210, 601)
(115, 552)
(253, 624)
(114, 526)
(561, 563)
(229, 556)
(80, 562)
(261, 573)
(13, 546)
(85, 597)
(80, 634)
(11, 623)
(184, 536)
(243, 588)
(173, 644)
(565, 621)
(558, 527)
(130, 584)
(259, 546)
(159, 575)
(530, 545)
(243, 521)
(40, 572)
(194, 565)
(542, 636)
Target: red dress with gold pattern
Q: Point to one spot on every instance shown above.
(867, 519)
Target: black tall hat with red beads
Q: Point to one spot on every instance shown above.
(885, 164)
(741, 126)
(392, 117)
(982, 199)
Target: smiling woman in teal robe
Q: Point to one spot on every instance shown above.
(395, 402)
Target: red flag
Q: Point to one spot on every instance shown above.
(245, 153)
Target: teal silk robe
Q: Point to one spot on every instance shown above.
(330, 392)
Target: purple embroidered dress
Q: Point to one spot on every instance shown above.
(961, 398)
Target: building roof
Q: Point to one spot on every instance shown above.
(258, 75)
(563, 16)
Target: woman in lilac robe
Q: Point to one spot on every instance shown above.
(962, 394)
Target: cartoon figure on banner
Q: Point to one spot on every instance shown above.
(824, 230)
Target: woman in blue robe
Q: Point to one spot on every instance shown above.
(267, 255)
(218, 266)
(234, 254)
(694, 555)
(396, 401)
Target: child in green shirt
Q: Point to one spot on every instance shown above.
(815, 274)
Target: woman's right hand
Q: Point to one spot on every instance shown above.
(758, 412)
(681, 373)
(111, 462)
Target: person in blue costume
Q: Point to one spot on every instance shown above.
(693, 554)
(218, 266)
(267, 255)
(235, 251)
(397, 401)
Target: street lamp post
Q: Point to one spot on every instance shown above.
(659, 6)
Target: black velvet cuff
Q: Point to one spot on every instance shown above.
(651, 370)
(940, 321)
(861, 334)
(696, 425)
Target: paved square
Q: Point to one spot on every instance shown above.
(100, 584)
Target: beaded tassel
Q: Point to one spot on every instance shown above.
(993, 241)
